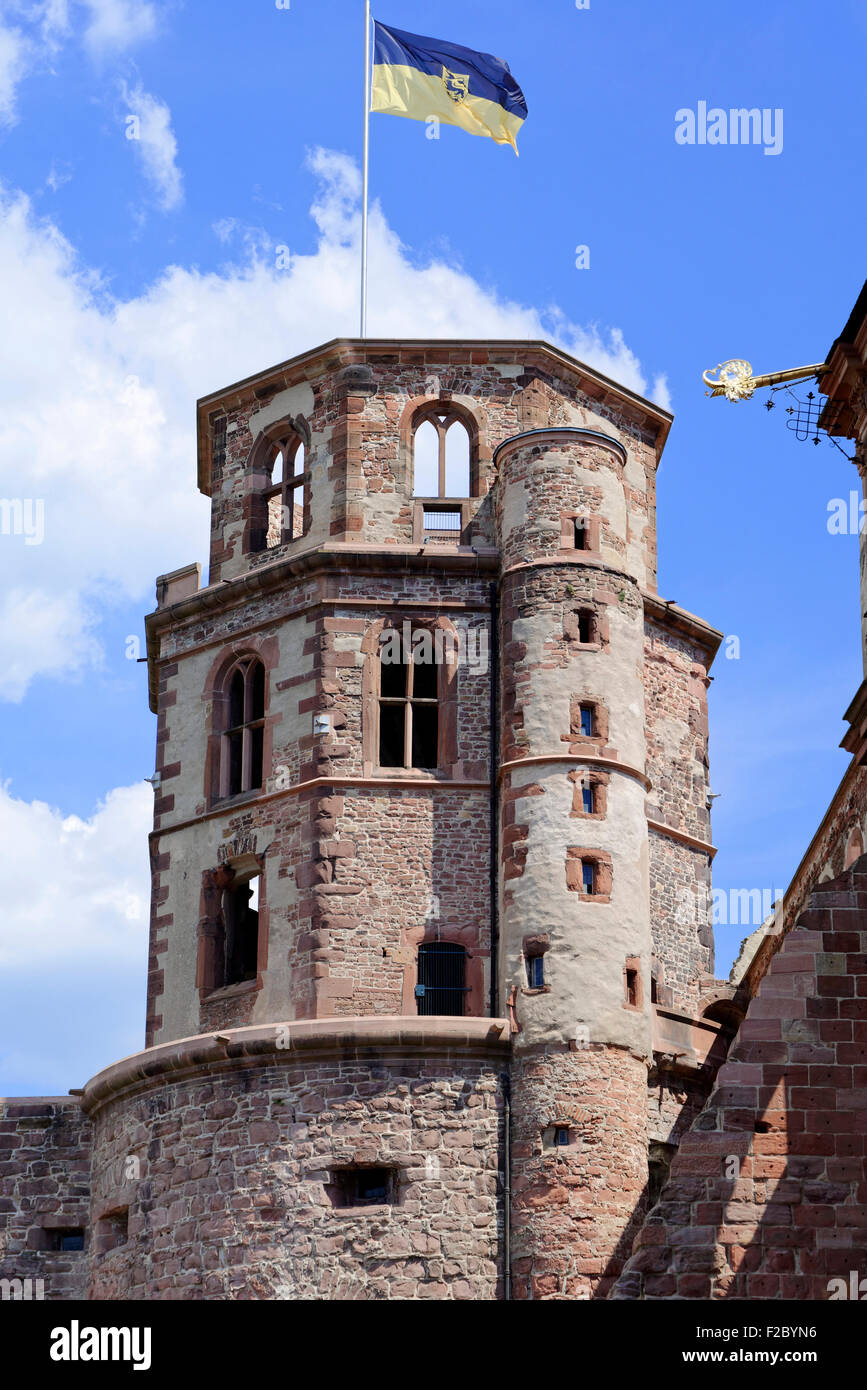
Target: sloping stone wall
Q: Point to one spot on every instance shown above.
(767, 1196)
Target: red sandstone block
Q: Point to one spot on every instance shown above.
(761, 1008)
(755, 1029)
(793, 962)
(740, 1073)
(694, 1286)
(763, 1286)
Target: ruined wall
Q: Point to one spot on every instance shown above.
(766, 1197)
(356, 403)
(44, 1190)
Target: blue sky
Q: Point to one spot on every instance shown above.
(140, 274)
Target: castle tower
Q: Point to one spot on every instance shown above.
(430, 849)
(572, 514)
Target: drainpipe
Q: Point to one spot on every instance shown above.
(494, 807)
(507, 1188)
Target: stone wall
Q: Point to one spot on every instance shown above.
(576, 1206)
(767, 1192)
(44, 1190)
(238, 1151)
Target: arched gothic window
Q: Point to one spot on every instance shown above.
(441, 455)
(241, 762)
(285, 502)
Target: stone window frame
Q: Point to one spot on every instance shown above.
(600, 627)
(549, 1136)
(447, 687)
(396, 1184)
(567, 532)
(216, 696)
(421, 408)
(246, 667)
(576, 857)
(232, 872)
(589, 742)
(632, 966)
(599, 782)
(286, 436)
(109, 1225)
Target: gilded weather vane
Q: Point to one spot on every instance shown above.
(736, 382)
(734, 379)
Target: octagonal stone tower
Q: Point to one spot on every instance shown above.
(430, 854)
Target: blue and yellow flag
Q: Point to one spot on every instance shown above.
(422, 78)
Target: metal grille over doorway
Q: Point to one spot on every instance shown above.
(441, 976)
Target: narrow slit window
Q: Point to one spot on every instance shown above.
(585, 625)
(535, 972)
(588, 721)
(63, 1238)
(588, 800)
(588, 878)
(580, 533)
(632, 987)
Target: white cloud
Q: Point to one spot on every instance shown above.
(51, 633)
(659, 391)
(14, 62)
(116, 25)
(149, 131)
(80, 891)
(96, 397)
(57, 178)
(54, 22)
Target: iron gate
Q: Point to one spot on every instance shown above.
(441, 975)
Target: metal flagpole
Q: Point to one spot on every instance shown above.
(366, 168)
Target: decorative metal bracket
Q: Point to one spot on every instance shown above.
(734, 379)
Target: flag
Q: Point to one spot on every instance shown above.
(425, 78)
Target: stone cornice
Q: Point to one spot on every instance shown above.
(551, 434)
(576, 760)
(244, 1048)
(330, 559)
(681, 620)
(682, 837)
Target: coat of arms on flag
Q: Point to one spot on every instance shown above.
(413, 76)
(457, 84)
